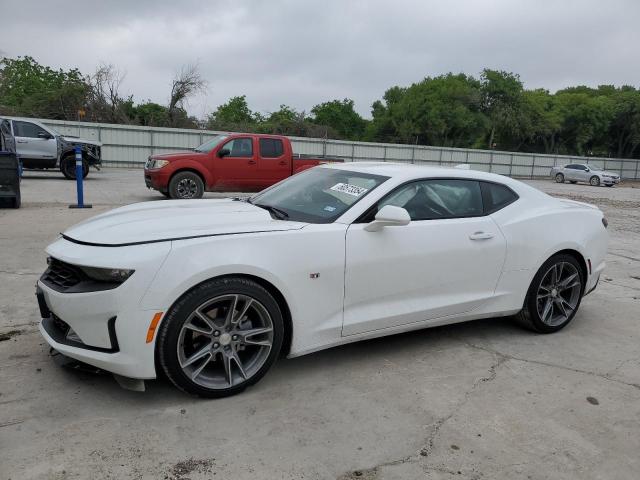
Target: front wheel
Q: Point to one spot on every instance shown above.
(186, 185)
(559, 178)
(554, 295)
(220, 337)
(68, 167)
(594, 181)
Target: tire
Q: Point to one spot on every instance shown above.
(68, 167)
(573, 181)
(559, 178)
(16, 201)
(594, 181)
(186, 185)
(204, 351)
(548, 307)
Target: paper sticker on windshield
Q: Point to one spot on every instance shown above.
(353, 190)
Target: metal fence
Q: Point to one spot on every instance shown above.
(129, 146)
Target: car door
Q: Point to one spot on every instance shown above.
(35, 143)
(583, 173)
(570, 173)
(273, 164)
(445, 262)
(238, 169)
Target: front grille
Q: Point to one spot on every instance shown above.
(61, 275)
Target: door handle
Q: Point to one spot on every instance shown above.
(252, 162)
(283, 163)
(480, 236)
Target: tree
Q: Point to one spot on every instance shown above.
(30, 89)
(186, 83)
(341, 117)
(443, 110)
(104, 101)
(232, 116)
(503, 104)
(624, 129)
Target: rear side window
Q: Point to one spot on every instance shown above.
(496, 196)
(271, 147)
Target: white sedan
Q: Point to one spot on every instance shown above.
(212, 292)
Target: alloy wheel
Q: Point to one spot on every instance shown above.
(187, 188)
(225, 341)
(558, 294)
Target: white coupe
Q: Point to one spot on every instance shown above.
(212, 292)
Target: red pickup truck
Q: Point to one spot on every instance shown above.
(236, 162)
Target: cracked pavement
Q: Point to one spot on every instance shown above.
(478, 400)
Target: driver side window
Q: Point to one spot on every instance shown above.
(27, 129)
(240, 147)
(438, 199)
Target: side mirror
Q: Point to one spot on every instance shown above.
(389, 216)
(223, 152)
(587, 169)
(44, 135)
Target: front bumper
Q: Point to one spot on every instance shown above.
(157, 179)
(105, 328)
(610, 181)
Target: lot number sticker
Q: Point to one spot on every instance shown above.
(353, 190)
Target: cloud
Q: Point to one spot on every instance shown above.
(303, 53)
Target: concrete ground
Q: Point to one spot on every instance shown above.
(480, 400)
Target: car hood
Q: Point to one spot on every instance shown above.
(167, 220)
(79, 140)
(604, 172)
(177, 155)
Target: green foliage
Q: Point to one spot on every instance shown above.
(444, 110)
(28, 88)
(341, 116)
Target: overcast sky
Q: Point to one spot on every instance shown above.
(302, 53)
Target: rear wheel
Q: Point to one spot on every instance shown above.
(16, 201)
(554, 295)
(68, 167)
(220, 337)
(559, 178)
(186, 185)
(594, 181)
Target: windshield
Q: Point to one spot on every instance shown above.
(206, 147)
(317, 195)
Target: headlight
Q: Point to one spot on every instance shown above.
(117, 275)
(158, 163)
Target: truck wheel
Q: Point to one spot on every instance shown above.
(68, 167)
(16, 201)
(560, 178)
(186, 185)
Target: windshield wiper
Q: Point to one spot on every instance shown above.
(279, 214)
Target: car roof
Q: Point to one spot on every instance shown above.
(407, 171)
